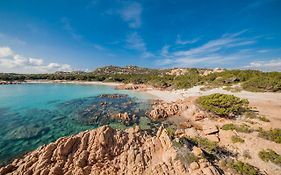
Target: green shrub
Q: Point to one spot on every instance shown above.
(205, 144)
(170, 131)
(239, 128)
(237, 139)
(243, 168)
(263, 118)
(251, 115)
(187, 157)
(177, 144)
(269, 83)
(223, 105)
(270, 155)
(273, 135)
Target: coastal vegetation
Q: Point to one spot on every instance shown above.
(243, 168)
(223, 105)
(205, 144)
(237, 139)
(250, 80)
(272, 135)
(239, 128)
(270, 155)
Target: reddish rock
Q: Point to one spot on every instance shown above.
(103, 151)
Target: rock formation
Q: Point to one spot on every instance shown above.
(142, 87)
(106, 151)
(162, 110)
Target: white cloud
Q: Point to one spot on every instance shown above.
(165, 51)
(214, 52)
(5, 51)
(135, 42)
(184, 42)
(132, 14)
(12, 62)
(266, 65)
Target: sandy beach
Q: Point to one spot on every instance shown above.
(267, 103)
(75, 82)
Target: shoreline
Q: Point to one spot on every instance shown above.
(177, 94)
(73, 82)
(267, 103)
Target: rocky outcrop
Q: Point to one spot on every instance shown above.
(113, 96)
(164, 110)
(9, 82)
(102, 151)
(132, 87)
(177, 72)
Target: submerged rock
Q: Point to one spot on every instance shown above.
(27, 132)
(108, 108)
(113, 96)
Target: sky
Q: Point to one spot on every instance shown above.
(65, 35)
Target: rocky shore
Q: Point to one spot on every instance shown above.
(192, 142)
(9, 82)
(108, 151)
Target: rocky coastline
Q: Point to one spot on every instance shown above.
(10, 82)
(190, 141)
(108, 151)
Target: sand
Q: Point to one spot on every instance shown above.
(267, 103)
(75, 82)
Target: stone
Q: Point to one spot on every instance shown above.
(191, 132)
(104, 151)
(185, 125)
(199, 116)
(213, 138)
(197, 151)
(162, 110)
(209, 128)
(194, 166)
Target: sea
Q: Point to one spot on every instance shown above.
(32, 115)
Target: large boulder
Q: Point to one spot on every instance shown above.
(103, 151)
(162, 110)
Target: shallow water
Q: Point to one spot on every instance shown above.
(35, 114)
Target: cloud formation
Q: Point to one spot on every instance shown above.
(214, 52)
(12, 62)
(135, 42)
(132, 14)
(184, 42)
(267, 65)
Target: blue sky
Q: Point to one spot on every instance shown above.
(46, 36)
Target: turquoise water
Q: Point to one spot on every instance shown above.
(35, 114)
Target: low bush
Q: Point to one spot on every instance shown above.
(243, 168)
(237, 139)
(223, 105)
(263, 118)
(273, 135)
(270, 155)
(239, 128)
(187, 157)
(205, 144)
(263, 84)
(170, 131)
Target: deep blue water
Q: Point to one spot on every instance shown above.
(35, 114)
